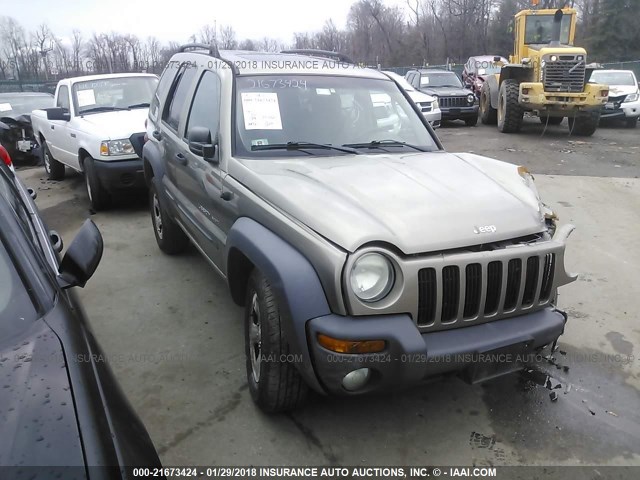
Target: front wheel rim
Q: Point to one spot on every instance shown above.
(157, 216)
(255, 341)
(47, 162)
(86, 179)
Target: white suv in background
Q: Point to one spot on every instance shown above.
(427, 104)
(624, 95)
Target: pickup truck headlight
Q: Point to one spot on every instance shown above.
(372, 277)
(117, 147)
(631, 98)
(435, 105)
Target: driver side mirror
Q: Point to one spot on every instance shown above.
(200, 144)
(58, 113)
(82, 258)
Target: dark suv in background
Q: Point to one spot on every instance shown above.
(456, 101)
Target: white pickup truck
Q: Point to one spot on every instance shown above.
(97, 127)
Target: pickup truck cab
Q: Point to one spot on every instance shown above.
(97, 128)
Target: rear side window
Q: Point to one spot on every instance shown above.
(63, 97)
(178, 95)
(166, 78)
(205, 109)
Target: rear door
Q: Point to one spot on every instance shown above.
(172, 112)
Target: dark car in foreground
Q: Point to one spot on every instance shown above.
(16, 132)
(60, 405)
(456, 101)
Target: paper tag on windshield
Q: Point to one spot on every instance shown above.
(86, 97)
(261, 111)
(5, 107)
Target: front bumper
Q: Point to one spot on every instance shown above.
(459, 113)
(411, 356)
(626, 110)
(120, 174)
(433, 117)
(533, 97)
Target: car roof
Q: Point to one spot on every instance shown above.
(434, 70)
(613, 70)
(25, 94)
(485, 57)
(107, 76)
(249, 62)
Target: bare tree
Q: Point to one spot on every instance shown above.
(228, 38)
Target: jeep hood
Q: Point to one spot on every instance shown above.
(115, 125)
(418, 202)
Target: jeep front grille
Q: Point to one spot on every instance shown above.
(448, 102)
(564, 76)
(454, 295)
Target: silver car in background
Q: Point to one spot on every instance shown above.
(427, 104)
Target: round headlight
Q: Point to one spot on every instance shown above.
(553, 58)
(471, 98)
(371, 277)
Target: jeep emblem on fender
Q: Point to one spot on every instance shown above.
(485, 229)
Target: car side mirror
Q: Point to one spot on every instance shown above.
(58, 113)
(82, 257)
(200, 143)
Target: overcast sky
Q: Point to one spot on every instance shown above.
(177, 20)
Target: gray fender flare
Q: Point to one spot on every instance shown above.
(152, 162)
(293, 279)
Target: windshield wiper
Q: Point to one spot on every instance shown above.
(100, 109)
(383, 143)
(139, 105)
(302, 146)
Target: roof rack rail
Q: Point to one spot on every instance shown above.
(212, 50)
(321, 53)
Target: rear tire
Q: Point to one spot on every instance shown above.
(98, 195)
(551, 120)
(169, 236)
(510, 112)
(54, 169)
(274, 382)
(584, 125)
(488, 114)
(631, 122)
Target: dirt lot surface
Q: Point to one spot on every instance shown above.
(176, 341)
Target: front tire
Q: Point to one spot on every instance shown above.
(510, 112)
(274, 382)
(54, 169)
(488, 114)
(169, 236)
(631, 122)
(584, 125)
(471, 121)
(98, 195)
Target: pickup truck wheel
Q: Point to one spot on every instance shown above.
(169, 236)
(510, 112)
(488, 114)
(54, 169)
(98, 195)
(274, 382)
(631, 122)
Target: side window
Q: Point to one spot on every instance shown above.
(63, 97)
(178, 95)
(205, 108)
(166, 78)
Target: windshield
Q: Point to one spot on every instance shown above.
(18, 104)
(113, 94)
(445, 79)
(337, 114)
(401, 81)
(539, 28)
(613, 78)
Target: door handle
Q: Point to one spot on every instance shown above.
(181, 159)
(73, 135)
(52, 127)
(156, 134)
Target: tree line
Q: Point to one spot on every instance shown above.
(424, 32)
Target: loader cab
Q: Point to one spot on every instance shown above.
(538, 28)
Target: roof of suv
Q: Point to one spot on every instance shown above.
(252, 62)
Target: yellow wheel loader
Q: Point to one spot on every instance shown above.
(546, 75)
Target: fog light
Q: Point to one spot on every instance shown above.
(357, 379)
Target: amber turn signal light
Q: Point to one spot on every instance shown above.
(351, 346)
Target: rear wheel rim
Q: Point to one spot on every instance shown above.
(157, 216)
(255, 341)
(86, 179)
(47, 162)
